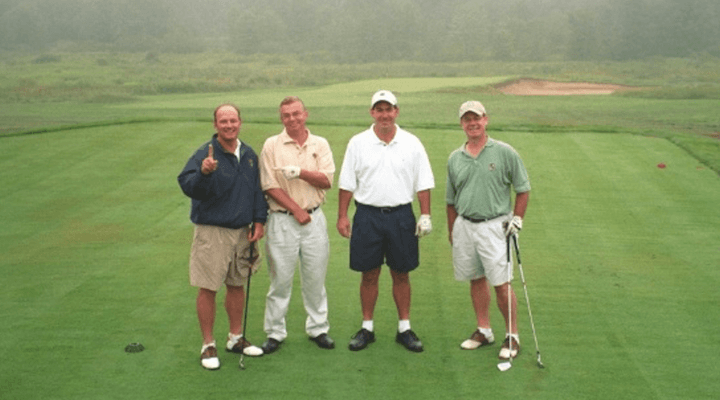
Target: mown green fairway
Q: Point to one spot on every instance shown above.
(621, 260)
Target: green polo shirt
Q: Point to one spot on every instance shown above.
(480, 187)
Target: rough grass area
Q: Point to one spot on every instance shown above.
(425, 102)
(122, 77)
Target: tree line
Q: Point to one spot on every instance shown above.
(350, 31)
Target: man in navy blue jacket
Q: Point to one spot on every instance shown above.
(229, 210)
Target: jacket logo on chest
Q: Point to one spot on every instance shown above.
(491, 167)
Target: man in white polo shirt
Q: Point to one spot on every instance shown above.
(481, 218)
(383, 169)
(296, 169)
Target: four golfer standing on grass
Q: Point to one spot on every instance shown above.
(384, 168)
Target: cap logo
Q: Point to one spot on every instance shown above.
(384, 95)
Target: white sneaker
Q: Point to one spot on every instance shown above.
(208, 357)
(237, 344)
(477, 339)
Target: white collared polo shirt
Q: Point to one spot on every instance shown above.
(383, 174)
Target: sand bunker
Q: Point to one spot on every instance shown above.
(534, 87)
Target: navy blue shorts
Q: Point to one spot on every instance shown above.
(384, 236)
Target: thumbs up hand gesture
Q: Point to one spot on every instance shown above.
(209, 164)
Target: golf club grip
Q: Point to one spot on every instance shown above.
(517, 247)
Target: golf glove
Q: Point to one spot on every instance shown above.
(424, 226)
(290, 172)
(513, 226)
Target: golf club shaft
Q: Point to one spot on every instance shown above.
(247, 301)
(506, 365)
(527, 298)
(509, 291)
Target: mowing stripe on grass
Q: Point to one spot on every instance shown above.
(620, 258)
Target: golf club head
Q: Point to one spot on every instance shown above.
(242, 365)
(504, 366)
(539, 362)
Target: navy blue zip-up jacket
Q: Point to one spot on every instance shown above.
(231, 196)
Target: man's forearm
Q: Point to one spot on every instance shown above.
(283, 199)
(424, 200)
(344, 198)
(315, 178)
(521, 203)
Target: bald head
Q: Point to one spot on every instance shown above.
(225, 108)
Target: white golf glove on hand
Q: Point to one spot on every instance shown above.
(424, 226)
(290, 172)
(513, 226)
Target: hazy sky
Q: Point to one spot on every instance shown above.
(355, 30)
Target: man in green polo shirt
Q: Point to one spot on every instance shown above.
(481, 217)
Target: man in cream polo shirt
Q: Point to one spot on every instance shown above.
(297, 168)
(383, 169)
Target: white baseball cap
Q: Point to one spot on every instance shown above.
(383, 95)
(474, 106)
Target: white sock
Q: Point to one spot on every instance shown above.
(234, 337)
(403, 325)
(515, 336)
(206, 345)
(368, 325)
(486, 331)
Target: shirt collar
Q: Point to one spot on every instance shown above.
(397, 138)
(237, 149)
(285, 138)
(490, 143)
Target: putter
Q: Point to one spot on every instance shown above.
(506, 365)
(527, 301)
(247, 301)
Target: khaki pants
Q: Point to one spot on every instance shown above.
(288, 242)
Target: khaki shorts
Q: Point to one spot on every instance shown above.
(479, 250)
(221, 255)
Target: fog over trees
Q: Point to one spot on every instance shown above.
(368, 30)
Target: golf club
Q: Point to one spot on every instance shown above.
(527, 300)
(506, 365)
(247, 301)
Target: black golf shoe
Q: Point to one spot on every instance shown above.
(270, 346)
(323, 341)
(409, 340)
(361, 340)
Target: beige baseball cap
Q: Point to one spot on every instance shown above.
(474, 106)
(383, 95)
